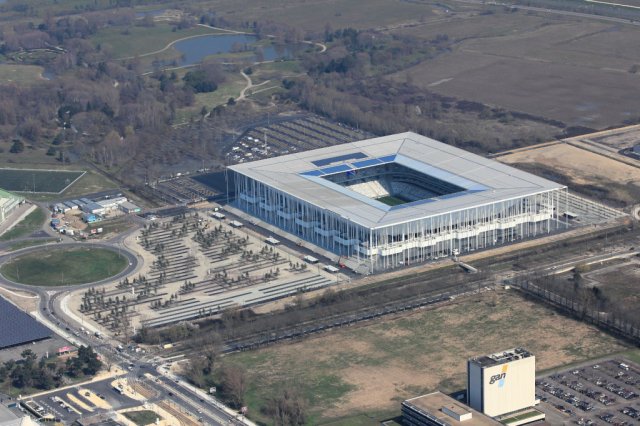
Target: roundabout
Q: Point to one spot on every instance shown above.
(65, 265)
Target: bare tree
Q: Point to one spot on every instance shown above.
(287, 409)
(234, 384)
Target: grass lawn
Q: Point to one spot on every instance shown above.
(64, 266)
(229, 89)
(142, 418)
(117, 225)
(140, 40)
(633, 355)
(275, 71)
(30, 243)
(20, 74)
(31, 223)
(346, 375)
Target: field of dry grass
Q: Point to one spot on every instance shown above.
(313, 15)
(541, 64)
(372, 368)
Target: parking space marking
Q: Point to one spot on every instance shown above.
(75, 400)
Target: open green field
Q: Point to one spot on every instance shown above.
(231, 88)
(31, 223)
(33, 180)
(90, 182)
(134, 41)
(142, 417)
(347, 375)
(20, 74)
(78, 265)
(30, 243)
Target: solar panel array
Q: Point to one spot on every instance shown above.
(18, 327)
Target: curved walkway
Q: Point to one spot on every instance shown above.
(243, 92)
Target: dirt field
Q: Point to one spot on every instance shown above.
(586, 172)
(582, 167)
(538, 63)
(372, 368)
(619, 139)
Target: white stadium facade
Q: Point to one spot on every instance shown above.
(398, 199)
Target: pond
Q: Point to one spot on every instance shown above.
(153, 13)
(195, 49)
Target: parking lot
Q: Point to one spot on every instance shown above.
(71, 404)
(598, 394)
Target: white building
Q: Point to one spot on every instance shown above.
(129, 208)
(93, 208)
(501, 383)
(112, 203)
(398, 200)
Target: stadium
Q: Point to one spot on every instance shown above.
(397, 200)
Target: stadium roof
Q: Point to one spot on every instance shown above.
(7, 194)
(485, 181)
(17, 327)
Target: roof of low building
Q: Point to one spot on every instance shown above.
(433, 403)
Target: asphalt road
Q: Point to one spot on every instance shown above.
(202, 406)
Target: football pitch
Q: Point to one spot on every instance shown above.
(390, 200)
(38, 181)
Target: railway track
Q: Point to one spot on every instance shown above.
(418, 291)
(311, 327)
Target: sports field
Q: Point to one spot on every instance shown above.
(391, 200)
(38, 181)
(58, 266)
(366, 371)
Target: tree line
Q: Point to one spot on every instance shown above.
(285, 408)
(47, 373)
